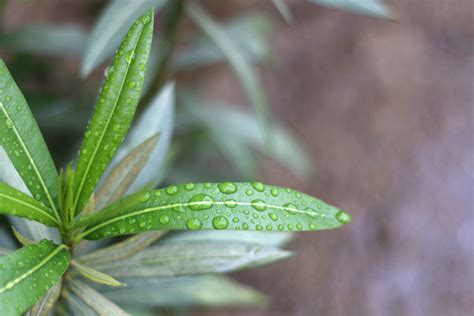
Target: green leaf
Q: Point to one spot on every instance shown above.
(96, 276)
(22, 239)
(55, 40)
(275, 239)
(240, 65)
(17, 203)
(24, 144)
(94, 299)
(115, 109)
(284, 10)
(111, 27)
(36, 269)
(122, 249)
(369, 7)
(250, 32)
(45, 306)
(232, 206)
(124, 173)
(208, 290)
(158, 117)
(194, 257)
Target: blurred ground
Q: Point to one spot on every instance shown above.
(386, 110)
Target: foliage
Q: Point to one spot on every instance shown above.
(181, 233)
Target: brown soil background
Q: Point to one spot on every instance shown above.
(386, 110)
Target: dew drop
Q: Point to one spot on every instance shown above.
(230, 203)
(194, 223)
(260, 187)
(130, 56)
(259, 227)
(259, 205)
(343, 217)
(146, 19)
(249, 192)
(273, 216)
(172, 190)
(220, 222)
(164, 219)
(275, 192)
(145, 197)
(116, 127)
(227, 187)
(245, 226)
(290, 208)
(189, 186)
(201, 202)
(132, 84)
(9, 124)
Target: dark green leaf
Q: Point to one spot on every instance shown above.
(237, 60)
(111, 28)
(33, 270)
(17, 203)
(369, 7)
(232, 206)
(209, 290)
(24, 143)
(115, 109)
(64, 40)
(194, 257)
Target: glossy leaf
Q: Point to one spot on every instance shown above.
(125, 173)
(121, 250)
(370, 7)
(24, 144)
(157, 118)
(94, 275)
(111, 27)
(14, 202)
(232, 206)
(45, 306)
(55, 40)
(94, 299)
(236, 59)
(194, 257)
(37, 268)
(115, 108)
(209, 290)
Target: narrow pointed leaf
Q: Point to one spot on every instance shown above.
(194, 257)
(14, 202)
(115, 108)
(22, 239)
(37, 268)
(122, 249)
(209, 290)
(76, 305)
(94, 299)
(54, 40)
(111, 27)
(125, 173)
(24, 144)
(369, 7)
(236, 59)
(232, 206)
(284, 10)
(96, 276)
(45, 306)
(157, 118)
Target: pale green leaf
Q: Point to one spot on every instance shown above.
(121, 250)
(94, 275)
(117, 183)
(240, 65)
(284, 10)
(94, 299)
(76, 305)
(369, 7)
(42, 265)
(22, 239)
(24, 144)
(55, 40)
(111, 27)
(17, 203)
(231, 206)
(208, 290)
(115, 108)
(157, 118)
(194, 257)
(45, 306)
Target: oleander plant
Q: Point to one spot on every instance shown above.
(184, 236)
